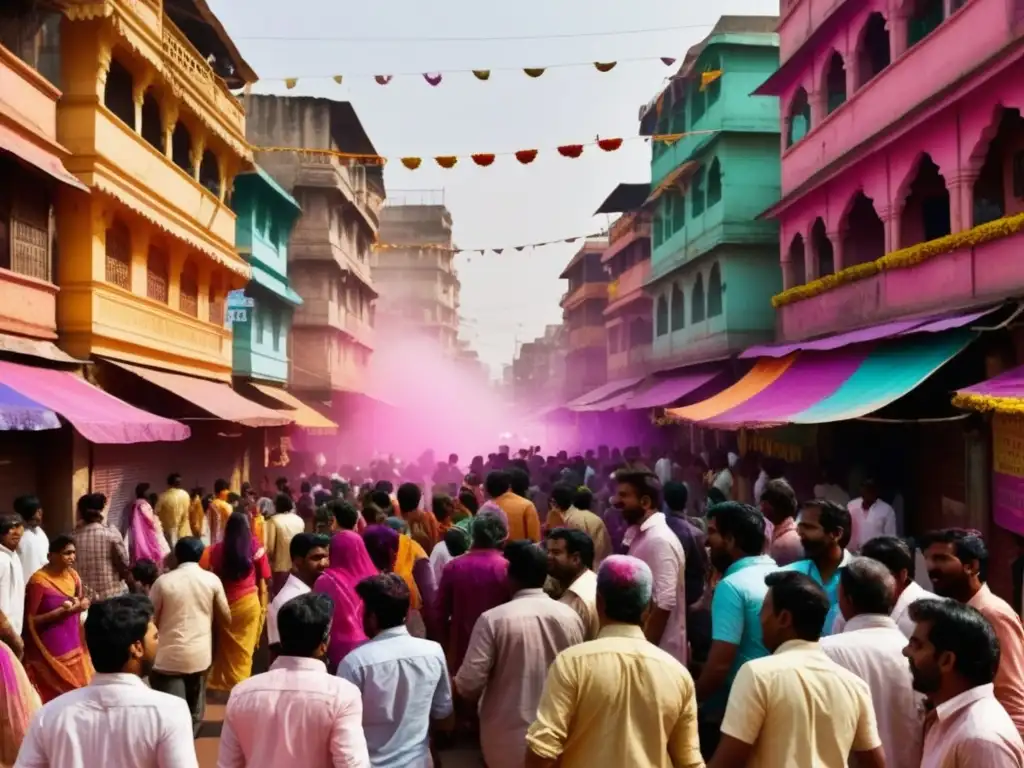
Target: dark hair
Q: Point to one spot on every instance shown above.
(9, 523)
(644, 482)
(189, 549)
(345, 514)
(386, 596)
(868, 586)
(382, 500)
(962, 631)
(468, 499)
(831, 517)
(562, 495)
(220, 486)
(237, 551)
(91, 506)
(519, 480)
(304, 624)
(892, 552)
(527, 564)
(113, 626)
(968, 545)
(457, 541)
(305, 487)
(59, 542)
(141, 489)
(676, 495)
(145, 572)
(27, 506)
(441, 504)
(497, 483)
(283, 503)
(583, 499)
(805, 600)
(322, 497)
(741, 521)
(577, 542)
(174, 480)
(715, 496)
(409, 496)
(781, 496)
(304, 543)
(385, 485)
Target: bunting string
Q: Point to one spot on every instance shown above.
(481, 251)
(481, 159)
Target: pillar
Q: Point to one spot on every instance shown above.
(198, 148)
(896, 24)
(810, 256)
(175, 263)
(169, 112)
(961, 200)
(205, 276)
(140, 259)
(890, 222)
(139, 87)
(816, 99)
(836, 238)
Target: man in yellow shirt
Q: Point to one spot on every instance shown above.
(617, 700)
(565, 514)
(221, 510)
(172, 510)
(797, 708)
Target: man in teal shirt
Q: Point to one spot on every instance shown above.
(736, 540)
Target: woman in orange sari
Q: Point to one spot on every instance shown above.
(56, 658)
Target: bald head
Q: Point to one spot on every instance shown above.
(624, 587)
(866, 587)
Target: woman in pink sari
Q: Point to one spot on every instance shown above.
(349, 564)
(145, 537)
(18, 702)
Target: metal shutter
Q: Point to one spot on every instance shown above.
(18, 467)
(117, 469)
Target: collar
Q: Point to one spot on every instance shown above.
(299, 664)
(621, 630)
(588, 576)
(187, 566)
(116, 678)
(787, 525)
(400, 631)
(293, 578)
(870, 621)
(526, 593)
(980, 597)
(6, 551)
(797, 645)
(746, 562)
(947, 709)
(658, 518)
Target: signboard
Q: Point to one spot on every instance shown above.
(237, 316)
(239, 299)
(1008, 471)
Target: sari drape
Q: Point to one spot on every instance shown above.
(18, 702)
(408, 553)
(145, 538)
(349, 564)
(56, 658)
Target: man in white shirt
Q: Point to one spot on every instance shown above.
(186, 603)
(309, 553)
(571, 565)
(870, 516)
(278, 533)
(116, 720)
(12, 575)
(33, 551)
(871, 646)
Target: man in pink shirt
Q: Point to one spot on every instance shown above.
(296, 714)
(778, 505)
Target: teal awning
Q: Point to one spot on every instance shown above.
(276, 286)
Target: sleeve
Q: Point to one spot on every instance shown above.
(348, 670)
(348, 743)
(230, 754)
(270, 540)
(1011, 664)
(32, 753)
(867, 737)
(745, 712)
(442, 707)
(156, 596)
(423, 576)
(532, 523)
(889, 526)
(727, 614)
(602, 543)
(683, 741)
(976, 751)
(547, 735)
(273, 636)
(262, 566)
(121, 560)
(223, 608)
(665, 569)
(472, 676)
(177, 748)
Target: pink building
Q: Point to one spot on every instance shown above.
(902, 159)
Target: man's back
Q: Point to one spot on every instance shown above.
(294, 715)
(586, 521)
(872, 648)
(471, 584)
(101, 552)
(404, 685)
(617, 701)
(523, 521)
(172, 511)
(185, 604)
(116, 721)
(1009, 682)
(280, 530)
(509, 653)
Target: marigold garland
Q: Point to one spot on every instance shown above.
(526, 156)
(446, 161)
(483, 160)
(412, 163)
(609, 145)
(903, 258)
(570, 150)
(969, 401)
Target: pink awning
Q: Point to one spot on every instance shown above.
(98, 416)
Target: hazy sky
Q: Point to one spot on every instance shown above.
(509, 298)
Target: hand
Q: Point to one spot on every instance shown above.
(83, 605)
(68, 606)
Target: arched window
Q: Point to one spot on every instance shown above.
(864, 238)
(925, 17)
(822, 248)
(796, 266)
(119, 255)
(216, 300)
(209, 173)
(188, 301)
(799, 122)
(697, 193)
(157, 277)
(697, 300)
(714, 183)
(926, 213)
(994, 190)
(678, 308)
(715, 291)
(835, 83)
(152, 122)
(117, 93)
(661, 321)
(873, 52)
(181, 148)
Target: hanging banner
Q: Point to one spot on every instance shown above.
(1008, 471)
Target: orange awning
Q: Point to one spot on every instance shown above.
(305, 416)
(759, 377)
(45, 160)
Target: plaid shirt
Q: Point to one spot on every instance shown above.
(102, 557)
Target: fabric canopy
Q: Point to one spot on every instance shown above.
(304, 415)
(43, 159)
(602, 392)
(98, 416)
(819, 387)
(930, 324)
(1002, 394)
(214, 397)
(19, 413)
(666, 391)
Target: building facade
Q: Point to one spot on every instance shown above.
(414, 272)
(713, 266)
(583, 305)
(536, 378)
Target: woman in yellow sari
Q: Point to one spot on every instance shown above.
(241, 563)
(395, 552)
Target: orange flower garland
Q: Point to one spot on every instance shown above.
(483, 160)
(609, 145)
(446, 161)
(412, 163)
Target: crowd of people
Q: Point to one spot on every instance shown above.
(608, 609)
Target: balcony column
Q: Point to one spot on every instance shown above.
(817, 103)
(139, 87)
(896, 25)
(198, 148)
(810, 257)
(890, 216)
(961, 200)
(140, 260)
(104, 57)
(175, 264)
(836, 238)
(169, 111)
(205, 278)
